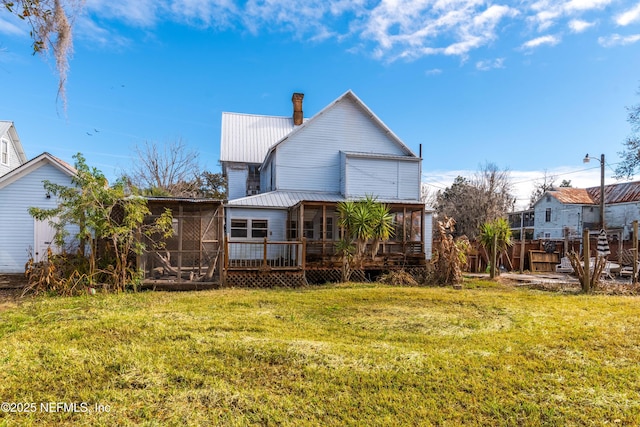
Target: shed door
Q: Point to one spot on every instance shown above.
(43, 238)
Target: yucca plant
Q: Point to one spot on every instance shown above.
(495, 236)
(363, 221)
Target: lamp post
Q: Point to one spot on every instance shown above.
(601, 160)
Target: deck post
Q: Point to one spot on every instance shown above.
(586, 286)
(226, 254)
(635, 252)
(264, 254)
(180, 239)
(304, 253)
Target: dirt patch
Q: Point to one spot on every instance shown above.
(9, 298)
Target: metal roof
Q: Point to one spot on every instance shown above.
(569, 195)
(246, 138)
(286, 199)
(617, 193)
(625, 192)
(192, 200)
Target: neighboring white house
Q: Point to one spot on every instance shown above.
(11, 151)
(22, 236)
(570, 210)
(286, 174)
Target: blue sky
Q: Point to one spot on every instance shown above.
(529, 85)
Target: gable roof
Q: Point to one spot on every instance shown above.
(8, 127)
(34, 164)
(347, 96)
(250, 138)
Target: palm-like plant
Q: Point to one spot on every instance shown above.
(363, 221)
(495, 236)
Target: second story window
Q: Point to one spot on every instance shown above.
(547, 215)
(253, 180)
(4, 156)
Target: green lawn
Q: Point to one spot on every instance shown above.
(326, 355)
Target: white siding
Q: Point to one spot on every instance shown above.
(277, 221)
(237, 182)
(428, 234)
(310, 159)
(562, 215)
(14, 159)
(384, 178)
(621, 216)
(16, 225)
(267, 179)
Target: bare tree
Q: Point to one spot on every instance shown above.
(631, 153)
(165, 170)
(51, 24)
(427, 196)
(172, 169)
(472, 202)
(542, 186)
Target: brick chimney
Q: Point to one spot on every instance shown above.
(297, 108)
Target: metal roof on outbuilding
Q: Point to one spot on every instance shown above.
(626, 192)
(617, 193)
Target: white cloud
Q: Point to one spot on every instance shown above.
(97, 35)
(433, 72)
(387, 29)
(581, 5)
(578, 25)
(409, 29)
(11, 29)
(548, 12)
(540, 41)
(139, 13)
(487, 65)
(618, 40)
(629, 16)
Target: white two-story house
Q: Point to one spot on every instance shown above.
(286, 175)
(567, 211)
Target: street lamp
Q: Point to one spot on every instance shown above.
(601, 160)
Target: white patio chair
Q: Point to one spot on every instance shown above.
(564, 266)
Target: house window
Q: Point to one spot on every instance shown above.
(239, 228)
(307, 231)
(547, 215)
(293, 230)
(253, 180)
(259, 228)
(5, 152)
(328, 234)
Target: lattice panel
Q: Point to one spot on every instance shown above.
(273, 279)
(332, 275)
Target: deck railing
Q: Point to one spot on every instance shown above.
(262, 255)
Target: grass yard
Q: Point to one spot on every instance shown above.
(361, 354)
